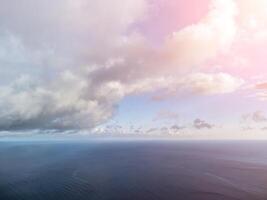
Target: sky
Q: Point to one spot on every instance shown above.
(183, 68)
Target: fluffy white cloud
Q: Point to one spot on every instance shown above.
(214, 33)
(209, 84)
(62, 104)
(195, 84)
(252, 13)
(251, 20)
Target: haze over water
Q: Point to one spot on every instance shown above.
(130, 170)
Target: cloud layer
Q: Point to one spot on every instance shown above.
(200, 124)
(68, 64)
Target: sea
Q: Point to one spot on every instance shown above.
(133, 169)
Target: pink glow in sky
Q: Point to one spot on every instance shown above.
(165, 17)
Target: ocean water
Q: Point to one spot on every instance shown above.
(133, 170)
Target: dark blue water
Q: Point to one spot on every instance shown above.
(133, 170)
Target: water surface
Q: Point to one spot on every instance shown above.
(133, 170)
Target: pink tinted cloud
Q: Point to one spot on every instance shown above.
(165, 17)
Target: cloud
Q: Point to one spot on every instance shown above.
(209, 84)
(47, 61)
(200, 124)
(172, 130)
(257, 116)
(261, 86)
(152, 130)
(199, 84)
(195, 83)
(251, 21)
(176, 128)
(261, 90)
(29, 104)
(66, 65)
(247, 128)
(213, 34)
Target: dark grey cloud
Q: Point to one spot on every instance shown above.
(152, 130)
(200, 124)
(176, 127)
